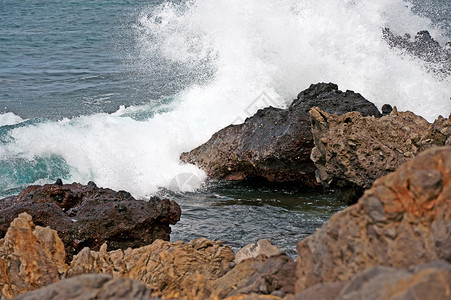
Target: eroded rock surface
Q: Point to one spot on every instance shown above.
(170, 269)
(275, 144)
(431, 281)
(30, 257)
(351, 151)
(90, 287)
(403, 220)
(87, 216)
(260, 275)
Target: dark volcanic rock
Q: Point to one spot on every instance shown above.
(87, 287)
(430, 281)
(88, 216)
(424, 47)
(402, 221)
(275, 144)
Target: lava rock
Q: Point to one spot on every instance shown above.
(274, 276)
(88, 216)
(172, 270)
(402, 221)
(430, 281)
(275, 144)
(352, 151)
(90, 287)
(30, 257)
(423, 46)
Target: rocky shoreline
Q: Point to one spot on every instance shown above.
(73, 241)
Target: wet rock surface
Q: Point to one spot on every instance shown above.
(30, 257)
(351, 151)
(402, 221)
(90, 287)
(422, 46)
(88, 216)
(275, 144)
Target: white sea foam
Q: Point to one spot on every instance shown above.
(9, 119)
(254, 48)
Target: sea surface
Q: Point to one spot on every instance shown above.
(113, 91)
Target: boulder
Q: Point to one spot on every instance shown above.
(259, 276)
(403, 220)
(263, 247)
(430, 281)
(351, 151)
(90, 287)
(171, 270)
(88, 216)
(275, 144)
(30, 257)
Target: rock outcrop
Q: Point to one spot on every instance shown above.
(170, 269)
(275, 144)
(351, 151)
(430, 281)
(259, 276)
(403, 220)
(88, 216)
(424, 47)
(90, 287)
(30, 257)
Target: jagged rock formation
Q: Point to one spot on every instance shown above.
(170, 269)
(88, 216)
(30, 257)
(351, 151)
(275, 144)
(91, 287)
(403, 220)
(424, 47)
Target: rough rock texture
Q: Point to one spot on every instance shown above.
(30, 257)
(425, 282)
(261, 275)
(263, 247)
(352, 151)
(170, 269)
(87, 216)
(403, 220)
(320, 291)
(90, 287)
(275, 144)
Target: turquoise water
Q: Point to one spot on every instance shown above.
(114, 91)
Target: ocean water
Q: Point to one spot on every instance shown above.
(114, 91)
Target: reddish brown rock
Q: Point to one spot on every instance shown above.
(171, 270)
(88, 216)
(30, 257)
(90, 287)
(275, 144)
(352, 151)
(403, 220)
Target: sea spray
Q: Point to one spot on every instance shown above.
(233, 52)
